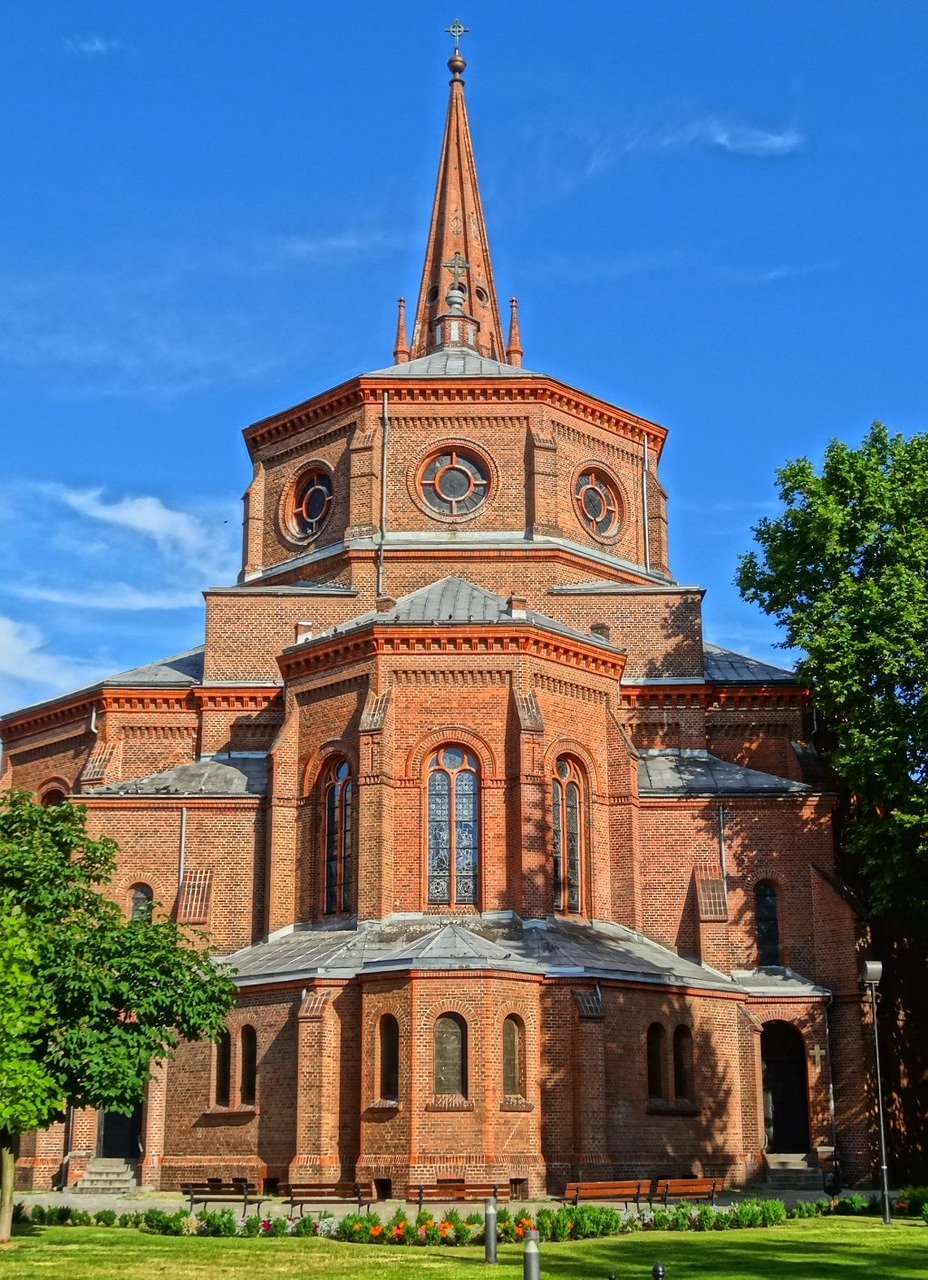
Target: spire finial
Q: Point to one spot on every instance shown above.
(514, 346)
(401, 348)
(456, 63)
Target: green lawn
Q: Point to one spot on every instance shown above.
(849, 1249)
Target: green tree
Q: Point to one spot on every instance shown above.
(89, 1001)
(844, 571)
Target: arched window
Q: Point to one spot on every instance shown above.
(657, 1038)
(568, 827)
(140, 898)
(337, 836)
(248, 1066)
(389, 1058)
(52, 797)
(450, 1055)
(683, 1064)
(513, 1057)
(768, 929)
(452, 827)
(221, 1092)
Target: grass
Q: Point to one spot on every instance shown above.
(829, 1249)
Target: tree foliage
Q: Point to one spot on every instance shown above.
(844, 571)
(89, 1001)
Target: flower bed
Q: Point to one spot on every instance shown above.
(566, 1222)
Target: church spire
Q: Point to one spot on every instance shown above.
(457, 297)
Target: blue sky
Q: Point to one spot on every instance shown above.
(713, 213)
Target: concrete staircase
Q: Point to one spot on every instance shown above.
(792, 1172)
(107, 1176)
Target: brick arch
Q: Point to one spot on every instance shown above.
(571, 747)
(450, 735)
(398, 1010)
(51, 785)
(318, 760)
(758, 871)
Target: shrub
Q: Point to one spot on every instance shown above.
(853, 1204)
(37, 1213)
(80, 1218)
(304, 1227)
(747, 1213)
(772, 1212)
(57, 1215)
(913, 1200)
(20, 1213)
(105, 1217)
(327, 1225)
(156, 1222)
(217, 1223)
(130, 1219)
(803, 1209)
(925, 1212)
(251, 1226)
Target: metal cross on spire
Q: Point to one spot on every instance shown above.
(457, 266)
(456, 30)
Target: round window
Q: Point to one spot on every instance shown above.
(312, 502)
(454, 482)
(597, 502)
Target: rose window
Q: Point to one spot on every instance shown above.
(312, 502)
(453, 483)
(597, 502)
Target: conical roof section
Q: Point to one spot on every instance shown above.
(457, 253)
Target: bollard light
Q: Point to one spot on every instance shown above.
(489, 1230)
(531, 1258)
(657, 1271)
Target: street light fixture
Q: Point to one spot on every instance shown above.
(872, 972)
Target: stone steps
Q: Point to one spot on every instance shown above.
(789, 1171)
(106, 1176)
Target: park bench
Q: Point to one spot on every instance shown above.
(629, 1192)
(686, 1189)
(303, 1193)
(220, 1190)
(456, 1190)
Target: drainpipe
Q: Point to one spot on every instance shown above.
(644, 507)
(182, 849)
(384, 437)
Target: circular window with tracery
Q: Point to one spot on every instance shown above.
(312, 502)
(597, 502)
(453, 482)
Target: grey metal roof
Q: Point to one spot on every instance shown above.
(776, 980)
(210, 776)
(676, 771)
(181, 669)
(456, 600)
(454, 363)
(553, 949)
(722, 666)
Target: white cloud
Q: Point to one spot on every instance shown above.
(172, 530)
(715, 131)
(92, 46)
(119, 596)
(322, 248)
(25, 661)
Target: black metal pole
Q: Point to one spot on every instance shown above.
(887, 1218)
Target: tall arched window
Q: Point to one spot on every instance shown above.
(452, 827)
(389, 1058)
(513, 1057)
(222, 1092)
(450, 1055)
(683, 1063)
(768, 928)
(248, 1066)
(657, 1038)
(337, 836)
(52, 797)
(140, 898)
(568, 828)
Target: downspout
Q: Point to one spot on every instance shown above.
(644, 507)
(384, 437)
(723, 861)
(831, 1081)
(182, 850)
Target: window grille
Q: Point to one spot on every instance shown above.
(193, 899)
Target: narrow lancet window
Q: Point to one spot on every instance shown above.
(338, 837)
(452, 827)
(568, 833)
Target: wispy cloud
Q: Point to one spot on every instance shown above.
(714, 131)
(26, 663)
(92, 46)
(768, 275)
(171, 530)
(319, 249)
(110, 596)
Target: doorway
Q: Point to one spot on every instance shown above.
(786, 1089)
(119, 1137)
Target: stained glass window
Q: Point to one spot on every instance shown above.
(567, 827)
(453, 482)
(513, 1058)
(450, 1055)
(768, 928)
(337, 837)
(452, 827)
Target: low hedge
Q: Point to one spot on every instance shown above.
(566, 1222)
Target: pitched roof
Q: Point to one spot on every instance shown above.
(455, 600)
(209, 776)
(452, 362)
(676, 771)
(723, 666)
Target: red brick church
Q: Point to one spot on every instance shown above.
(522, 878)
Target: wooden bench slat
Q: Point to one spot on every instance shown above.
(456, 1190)
(687, 1189)
(627, 1190)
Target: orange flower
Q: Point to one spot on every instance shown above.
(357, 1226)
(375, 1231)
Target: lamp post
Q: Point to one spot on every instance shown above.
(872, 972)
